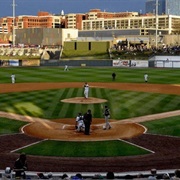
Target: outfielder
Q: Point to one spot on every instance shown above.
(66, 68)
(86, 90)
(146, 77)
(80, 123)
(13, 78)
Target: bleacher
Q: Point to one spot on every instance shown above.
(19, 51)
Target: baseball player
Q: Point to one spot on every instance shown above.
(106, 117)
(79, 123)
(86, 90)
(146, 77)
(87, 122)
(13, 78)
(66, 68)
(113, 76)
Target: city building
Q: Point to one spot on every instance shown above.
(42, 20)
(164, 7)
(3, 30)
(97, 24)
(75, 20)
(144, 24)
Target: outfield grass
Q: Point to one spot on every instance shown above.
(123, 104)
(83, 74)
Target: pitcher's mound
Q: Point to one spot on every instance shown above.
(82, 100)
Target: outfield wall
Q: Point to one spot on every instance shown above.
(76, 63)
(165, 61)
(94, 63)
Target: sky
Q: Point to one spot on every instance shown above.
(32, 7)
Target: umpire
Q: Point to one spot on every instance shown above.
(87, 121)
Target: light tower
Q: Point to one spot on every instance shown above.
(156, 23)
(13, 27)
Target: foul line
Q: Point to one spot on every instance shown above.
(27, 145)
(136, 145)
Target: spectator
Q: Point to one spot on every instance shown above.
(110, 175)
(177, 175)
(97, 176)
(7, 173)
(65, 177)
(128, 176)
(20, 166)
(139, 176)
(77, 177)
(165, 176)
(153, 174)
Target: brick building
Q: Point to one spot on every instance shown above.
(42, 20)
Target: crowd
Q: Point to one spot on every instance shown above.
(153, 174)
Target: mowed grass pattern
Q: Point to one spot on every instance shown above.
(123, 104)
(82, 74)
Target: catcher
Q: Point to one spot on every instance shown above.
(79, 123)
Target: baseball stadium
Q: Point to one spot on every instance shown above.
(38, 111)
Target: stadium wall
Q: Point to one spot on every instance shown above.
(79, 48)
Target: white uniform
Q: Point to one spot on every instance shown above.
(80, 123)
(13, 77)
(86, 90)
(66, 68)
(146, 77)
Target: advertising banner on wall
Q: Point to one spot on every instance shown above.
(13, 62)
(32, 62)
(121, 63)
(139, 63)
(130, 63)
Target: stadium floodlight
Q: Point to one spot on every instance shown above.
(13, 27)
(156, 23)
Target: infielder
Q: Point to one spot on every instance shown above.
(80, 123)
(13, 78)
(86, 90)
(106, 117)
